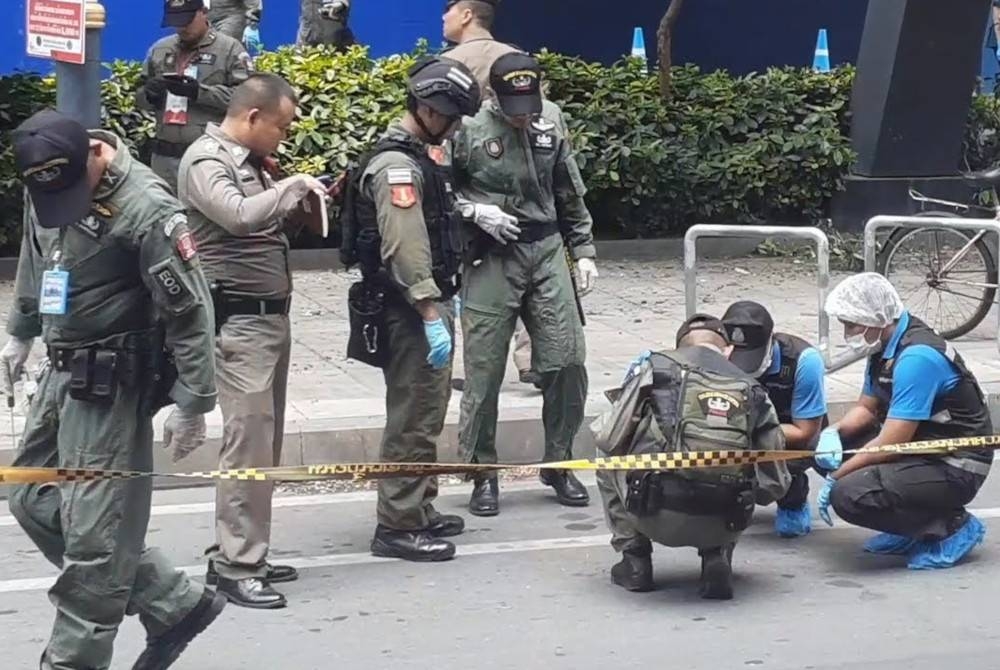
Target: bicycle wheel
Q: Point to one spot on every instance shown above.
(951, 300)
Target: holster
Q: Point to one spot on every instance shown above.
(164, 373)
(94, 375)
(218, 294)
(651, 492)
(369, 339)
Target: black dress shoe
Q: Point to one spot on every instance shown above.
(531, 377)
(447, 525)
(251, 592)
(634, 572)
(275, 574)
(161, 651)
(485, 500)
(716, 574)
(417, 545)
(570, 491)
(458, 384)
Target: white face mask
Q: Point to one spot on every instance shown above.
(765, 364)
(860, 344)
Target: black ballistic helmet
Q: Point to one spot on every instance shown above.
(444, 85)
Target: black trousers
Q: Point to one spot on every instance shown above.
(918, 497)
(798, 491)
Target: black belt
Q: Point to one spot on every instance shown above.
(169, 149)
(249, 307)
(534, 231)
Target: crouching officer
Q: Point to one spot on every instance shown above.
(187, 81)
(685, 400)
(107, 276)
(917, 387)
(793, 372)
(401, 225)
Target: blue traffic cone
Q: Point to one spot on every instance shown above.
(639, 48)
(821, 61)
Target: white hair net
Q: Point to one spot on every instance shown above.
(867, 299)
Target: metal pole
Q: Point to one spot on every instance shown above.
(78, 87)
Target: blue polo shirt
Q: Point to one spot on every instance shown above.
(809, 393)
(920, 376)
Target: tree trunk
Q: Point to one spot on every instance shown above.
(664, 39)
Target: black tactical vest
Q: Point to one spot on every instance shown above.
(961, 412)
(360, 239)
(781, 385)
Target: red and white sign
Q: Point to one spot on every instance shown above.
(56, 29)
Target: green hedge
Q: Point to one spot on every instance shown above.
(764, 147)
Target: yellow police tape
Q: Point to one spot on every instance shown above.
(680, 460)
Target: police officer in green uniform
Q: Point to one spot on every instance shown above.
(108, 276)
(690, 399)
(187, 81)
(512, 156)
(402, 207)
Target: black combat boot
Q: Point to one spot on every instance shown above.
(635, 571)
(446, 525)
(485, 500)
(716, 573)
(161, 651)
(570, 491)
(416, 545)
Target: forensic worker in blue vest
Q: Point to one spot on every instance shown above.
(917, 387)
(793, 372)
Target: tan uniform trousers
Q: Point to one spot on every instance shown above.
(522, 348)
(251, 357)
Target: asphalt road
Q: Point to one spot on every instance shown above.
(531, 589)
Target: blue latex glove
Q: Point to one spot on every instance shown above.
(251, 39)
(830, 452)
(458, 307)
(439, 341)
(635, 365)
(823, 500)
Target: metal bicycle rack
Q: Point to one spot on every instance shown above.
(784, 232)
(945, 223)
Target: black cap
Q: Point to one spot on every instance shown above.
(51, 151)
(702, 322)
(750, 328)
(516, 79)
(178, 13)
(451, 3)
(445, 85)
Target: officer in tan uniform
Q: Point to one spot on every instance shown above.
(187, 81)
(239, 215)
(107, 277)
(403, 208)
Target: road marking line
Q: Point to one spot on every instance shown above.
(476, 549)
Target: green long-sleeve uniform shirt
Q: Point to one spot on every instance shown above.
(131, 264)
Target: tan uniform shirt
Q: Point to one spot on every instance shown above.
(237, 213)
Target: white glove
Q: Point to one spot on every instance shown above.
(588, 274)
(183, 433)
(495, 222)
(301, 184)
(12, 359)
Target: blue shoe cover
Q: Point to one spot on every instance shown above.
(793, 522)
(890, 545)
(949, 551)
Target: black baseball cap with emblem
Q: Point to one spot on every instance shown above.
(750, 329)
(179, 13)
(702, 322)
(51, 152)
(516, 79)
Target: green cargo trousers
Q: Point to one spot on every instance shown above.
(530, 280)
(416, 403)
(106, 570)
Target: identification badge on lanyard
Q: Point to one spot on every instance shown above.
(55, 291)
(175, 109)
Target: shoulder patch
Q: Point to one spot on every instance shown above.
(186, 248)
(399, 176)
(493, 147)
(172, 223)
(404, 196)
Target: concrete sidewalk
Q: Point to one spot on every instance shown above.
(336, 406)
